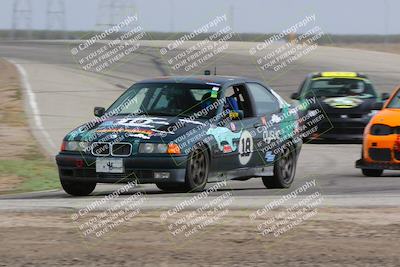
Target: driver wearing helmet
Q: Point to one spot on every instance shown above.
(356, 88)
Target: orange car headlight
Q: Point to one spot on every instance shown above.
(381, 129)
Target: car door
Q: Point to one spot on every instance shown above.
(268, 113)
(234, 147)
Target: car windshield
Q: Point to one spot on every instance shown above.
(395, 102)
(167, 99)
(340, 87)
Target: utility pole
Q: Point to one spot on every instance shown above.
(55, 17)
(231, 17)
(111, 12)
(172, 16)
(22, 17)
(387, 12)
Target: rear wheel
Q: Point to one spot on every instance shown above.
(372, 172)
(284, 170)
(77, 188)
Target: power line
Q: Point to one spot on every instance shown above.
(112, 12)
(55, 16)
(22, 17)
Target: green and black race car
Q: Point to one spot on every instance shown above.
(182, 132)
(347, 101)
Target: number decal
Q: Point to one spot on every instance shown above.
(245, 147)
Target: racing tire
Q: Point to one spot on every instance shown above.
(284, 170)
(372, 172)
(196, 174)
(77, 188)
(197, 170)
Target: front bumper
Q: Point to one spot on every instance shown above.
(341, 129)
(361, 164)
(76, 167)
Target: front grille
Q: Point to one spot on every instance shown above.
(121, 149)
(100, 149)
(380, 154)
(117, 149)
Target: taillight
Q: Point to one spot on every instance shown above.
(63, 145)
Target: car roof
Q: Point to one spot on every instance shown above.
(337, 74)
(200, 79)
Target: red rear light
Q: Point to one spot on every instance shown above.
(63, 144)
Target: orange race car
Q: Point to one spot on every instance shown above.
(381, 145)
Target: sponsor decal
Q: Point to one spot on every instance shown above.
(270, 135)
(275, 118)
(140, 133)
(245, 148)
(269, 156)
(343, 102)
(233, 126)
(214, 92)
(264, 120)
(224, 135)
(233, 115)
(142, 122)
(227, 149)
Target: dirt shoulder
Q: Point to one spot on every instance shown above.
(333, 237)
(21, 159)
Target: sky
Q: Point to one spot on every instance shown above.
(252, 16)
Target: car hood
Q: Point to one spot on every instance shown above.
(131, 128)
(387, 116)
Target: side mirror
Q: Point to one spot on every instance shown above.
(99, 111)
(377, 106)
(236, 115)
(295, 96)
(385, 96)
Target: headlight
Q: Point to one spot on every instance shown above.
(158, 148)
(381, 129)
(74, 146)
(162, 148)
(146, 148)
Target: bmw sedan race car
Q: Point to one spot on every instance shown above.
(346, 99)
(381, 146)
(182, 132)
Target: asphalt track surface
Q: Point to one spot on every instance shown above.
(65, 96)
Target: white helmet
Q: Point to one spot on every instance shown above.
(357, 88)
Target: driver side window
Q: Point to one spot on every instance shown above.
(237, 99)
